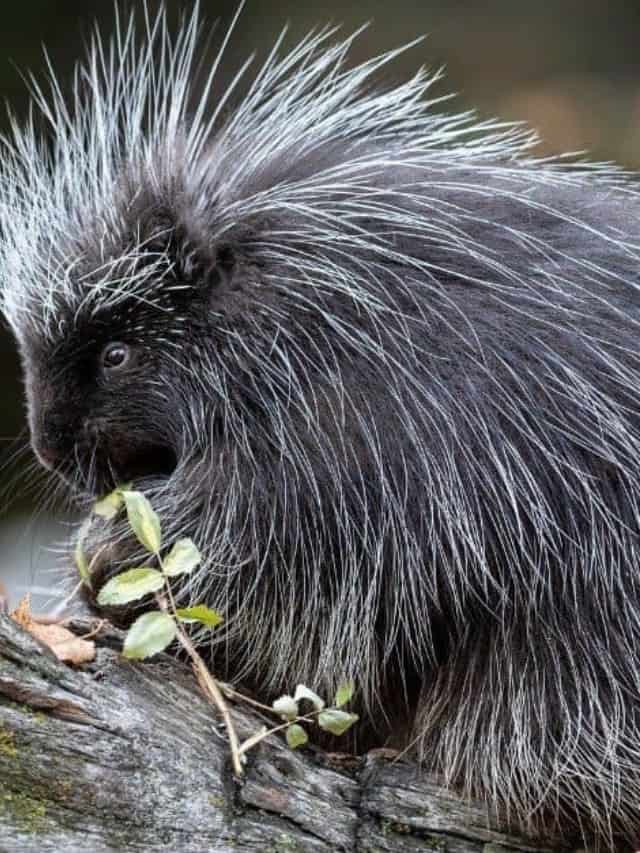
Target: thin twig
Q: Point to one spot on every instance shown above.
(231, 693)
(206, 681)
(211, 686)
(95, 631)
(257, 738)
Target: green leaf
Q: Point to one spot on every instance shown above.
(110, 505)
(148, 635)
(82, 564)
(182, 559)
(336, 722)
(143, 520)
(200, 613)
(130, 586)
(287, 707)
(296, 736)
(303, 692)
(344, 694)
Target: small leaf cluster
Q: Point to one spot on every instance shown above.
(331, 719)
(154, 631)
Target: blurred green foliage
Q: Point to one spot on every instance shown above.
(571, 69)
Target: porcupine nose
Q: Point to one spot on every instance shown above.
(49, 456)
(53, 440)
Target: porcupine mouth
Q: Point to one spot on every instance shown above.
(146, 466)
(154, 461)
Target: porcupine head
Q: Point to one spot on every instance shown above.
(198, 295)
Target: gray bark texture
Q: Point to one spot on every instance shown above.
(119, 756)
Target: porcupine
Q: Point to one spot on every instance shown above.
(382, 365)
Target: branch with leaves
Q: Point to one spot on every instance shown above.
(156, 630)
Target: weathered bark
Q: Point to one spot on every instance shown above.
(121, 756)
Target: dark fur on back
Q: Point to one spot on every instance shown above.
(384, 369)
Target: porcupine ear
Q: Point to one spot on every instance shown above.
(211, 268)
(194, 259)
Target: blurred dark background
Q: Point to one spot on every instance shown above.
(571, 69)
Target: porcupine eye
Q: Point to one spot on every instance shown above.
(115, 356)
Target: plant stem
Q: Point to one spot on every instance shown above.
(206, 681)
(254, 740)
(230, 693)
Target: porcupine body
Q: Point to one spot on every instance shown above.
(383, 367)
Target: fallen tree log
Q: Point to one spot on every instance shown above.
(121, 756)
